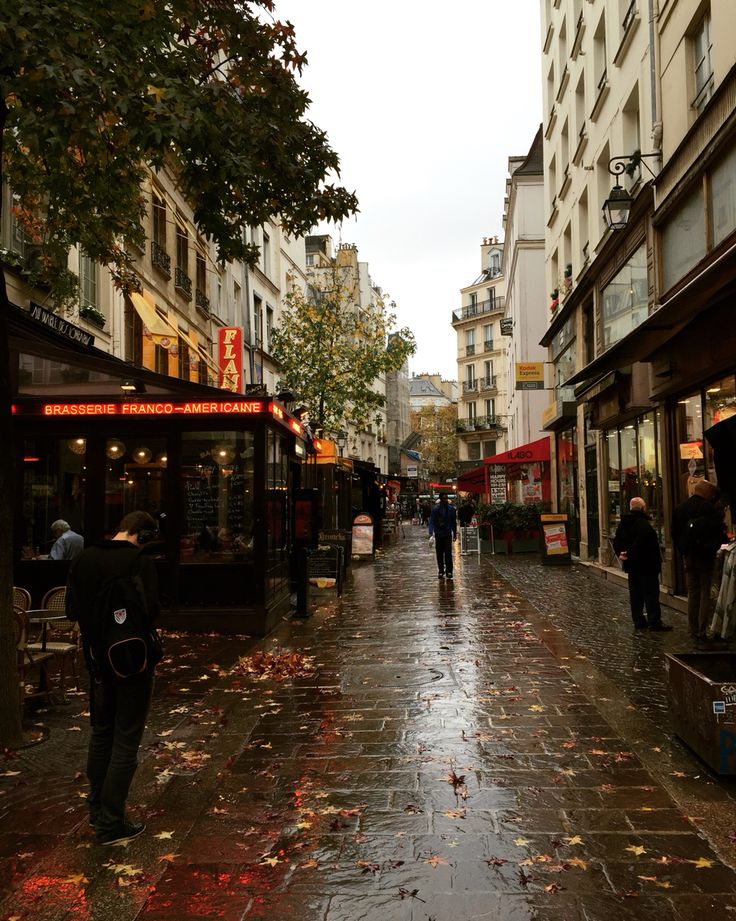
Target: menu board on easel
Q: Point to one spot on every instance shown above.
(555, 539)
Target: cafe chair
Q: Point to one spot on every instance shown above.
(21, 598)
(28, 659)
(64, 642)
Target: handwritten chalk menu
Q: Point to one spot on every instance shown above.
(200, 503)
(235, 486)
(214, 500)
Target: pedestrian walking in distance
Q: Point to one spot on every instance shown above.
(637, 546)
(118, 709)
(698, 532)
(443, 527)
(465, 513)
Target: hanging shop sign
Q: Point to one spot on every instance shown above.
(507, 326)
(230, 341)
(529, 375)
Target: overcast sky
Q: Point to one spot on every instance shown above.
(424, 102)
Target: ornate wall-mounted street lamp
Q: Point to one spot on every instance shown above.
(617, 207)
(342, 440)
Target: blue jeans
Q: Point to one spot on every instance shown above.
(118, 712)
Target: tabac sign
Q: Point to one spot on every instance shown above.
(230, 340)
(529, 375)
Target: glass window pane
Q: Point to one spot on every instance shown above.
(134, 478)
(217, 471)
(625, 303)
(720, 404)
(723, 198)
(614, 480)
(629, 466)
(54, 473)
(650, 484)
(690, 444)
(683, 240)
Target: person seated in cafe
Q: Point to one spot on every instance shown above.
(67, 545)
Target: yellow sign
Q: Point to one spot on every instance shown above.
(529, 375)
(549, 414)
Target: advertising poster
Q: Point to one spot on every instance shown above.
(363, 535)
(555, 543)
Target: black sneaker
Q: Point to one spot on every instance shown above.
(659, 627)
(440, 575)
(449, 575)
(123, 832)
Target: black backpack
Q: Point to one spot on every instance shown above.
(699, 539)
(123, 642)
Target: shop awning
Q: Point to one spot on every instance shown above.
(161, 331)
(191, 341)
(472, 480)
(534, 451)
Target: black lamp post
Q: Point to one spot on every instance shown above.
(342, 440)
(617, 207)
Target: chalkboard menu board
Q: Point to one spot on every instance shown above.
(200, 498)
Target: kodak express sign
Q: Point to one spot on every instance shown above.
(230, 340)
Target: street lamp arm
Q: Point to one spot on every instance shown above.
(627, 163)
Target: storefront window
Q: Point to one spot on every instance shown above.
(217, 474)
(633, 459)
(690, 443)
(625, 303)
(683, 239)
(566, 448)
(629, 465)
(276, 507)
(613, 462)
(722, 195)
(650, 484)
(54, 472)
(134, 478)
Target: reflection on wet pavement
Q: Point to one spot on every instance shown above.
(426, 757)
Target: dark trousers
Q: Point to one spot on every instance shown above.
(118, 712)
(443, 549)
(644, 593)
(698, 578)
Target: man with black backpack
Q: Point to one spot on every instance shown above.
(112, 592)
(698, 532)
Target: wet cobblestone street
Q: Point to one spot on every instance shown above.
(493, 749)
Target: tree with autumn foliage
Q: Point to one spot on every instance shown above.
(92, 94)
(331, 349)
(437, 426)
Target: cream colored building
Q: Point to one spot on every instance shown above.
(525, 319)
(480, 363)
(640, 334)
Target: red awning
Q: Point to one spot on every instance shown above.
(534, 451)
(472, 480)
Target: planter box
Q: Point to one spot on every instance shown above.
(525, 545)
(496, 546)
(702, 699)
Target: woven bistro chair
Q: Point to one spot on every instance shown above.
(28, 659)
(21, 598)
(63, 637)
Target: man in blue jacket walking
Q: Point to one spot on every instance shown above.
(443, 526)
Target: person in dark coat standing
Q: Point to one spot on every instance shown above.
(698, 532)
(118, 711)
(443, 527)
(637, 546)
(465, 513)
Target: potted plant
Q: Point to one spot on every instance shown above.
(93, 315)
